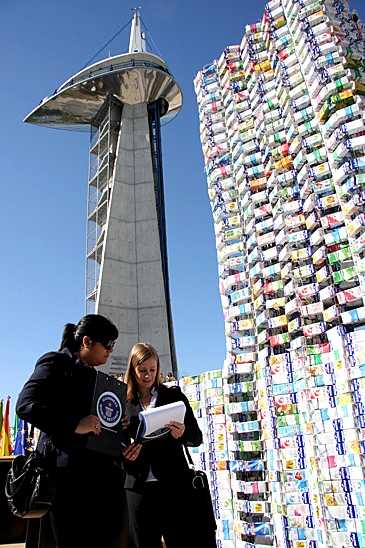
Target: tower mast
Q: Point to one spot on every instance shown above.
(137, 42)
(123, 99)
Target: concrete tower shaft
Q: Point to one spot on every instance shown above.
(123, 98)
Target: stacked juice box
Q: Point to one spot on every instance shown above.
(191, 388)
(283, 137)
(206, 396)
(219, 139)
(251, 496)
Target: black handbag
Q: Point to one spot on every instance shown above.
(199, 496)
(29, 486)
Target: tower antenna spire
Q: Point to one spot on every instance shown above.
(137, 41)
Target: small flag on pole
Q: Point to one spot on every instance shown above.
(21, 439)
(5, 440)
(1, 415)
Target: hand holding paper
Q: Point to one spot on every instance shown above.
(155, 422)
(177, 429)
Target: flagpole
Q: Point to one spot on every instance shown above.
(5, 438)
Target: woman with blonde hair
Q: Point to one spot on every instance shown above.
(156, 480)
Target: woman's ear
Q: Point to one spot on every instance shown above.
(86, 341)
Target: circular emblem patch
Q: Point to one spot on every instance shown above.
(109, 409)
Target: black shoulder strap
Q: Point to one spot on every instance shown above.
(188, 456)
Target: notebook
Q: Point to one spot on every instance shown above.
(109, 405)
(153, 421)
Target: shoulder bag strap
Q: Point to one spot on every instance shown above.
(188, 456)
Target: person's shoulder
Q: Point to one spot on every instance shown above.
(171, 392)
(54, 357)
(164, 387)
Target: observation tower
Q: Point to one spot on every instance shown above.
(123, 100)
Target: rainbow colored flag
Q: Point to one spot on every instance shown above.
(5, 437)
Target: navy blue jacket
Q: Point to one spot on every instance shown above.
(57, 395)
(165, 456)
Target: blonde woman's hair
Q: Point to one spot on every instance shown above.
(139, 353)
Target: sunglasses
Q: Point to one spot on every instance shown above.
(108, 345)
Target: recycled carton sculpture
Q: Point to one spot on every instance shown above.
(283, 137)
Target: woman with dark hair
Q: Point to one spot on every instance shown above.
(89, 507)
(158, 502)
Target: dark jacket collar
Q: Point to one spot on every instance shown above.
(76, 361)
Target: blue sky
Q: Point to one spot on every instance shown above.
(44, 172)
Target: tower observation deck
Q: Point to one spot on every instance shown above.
(123, 99)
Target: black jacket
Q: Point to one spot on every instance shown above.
(54, 399)
(164, 456)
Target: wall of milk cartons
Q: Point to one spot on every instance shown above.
(225, 117)
(283, 137)
(206, 396)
